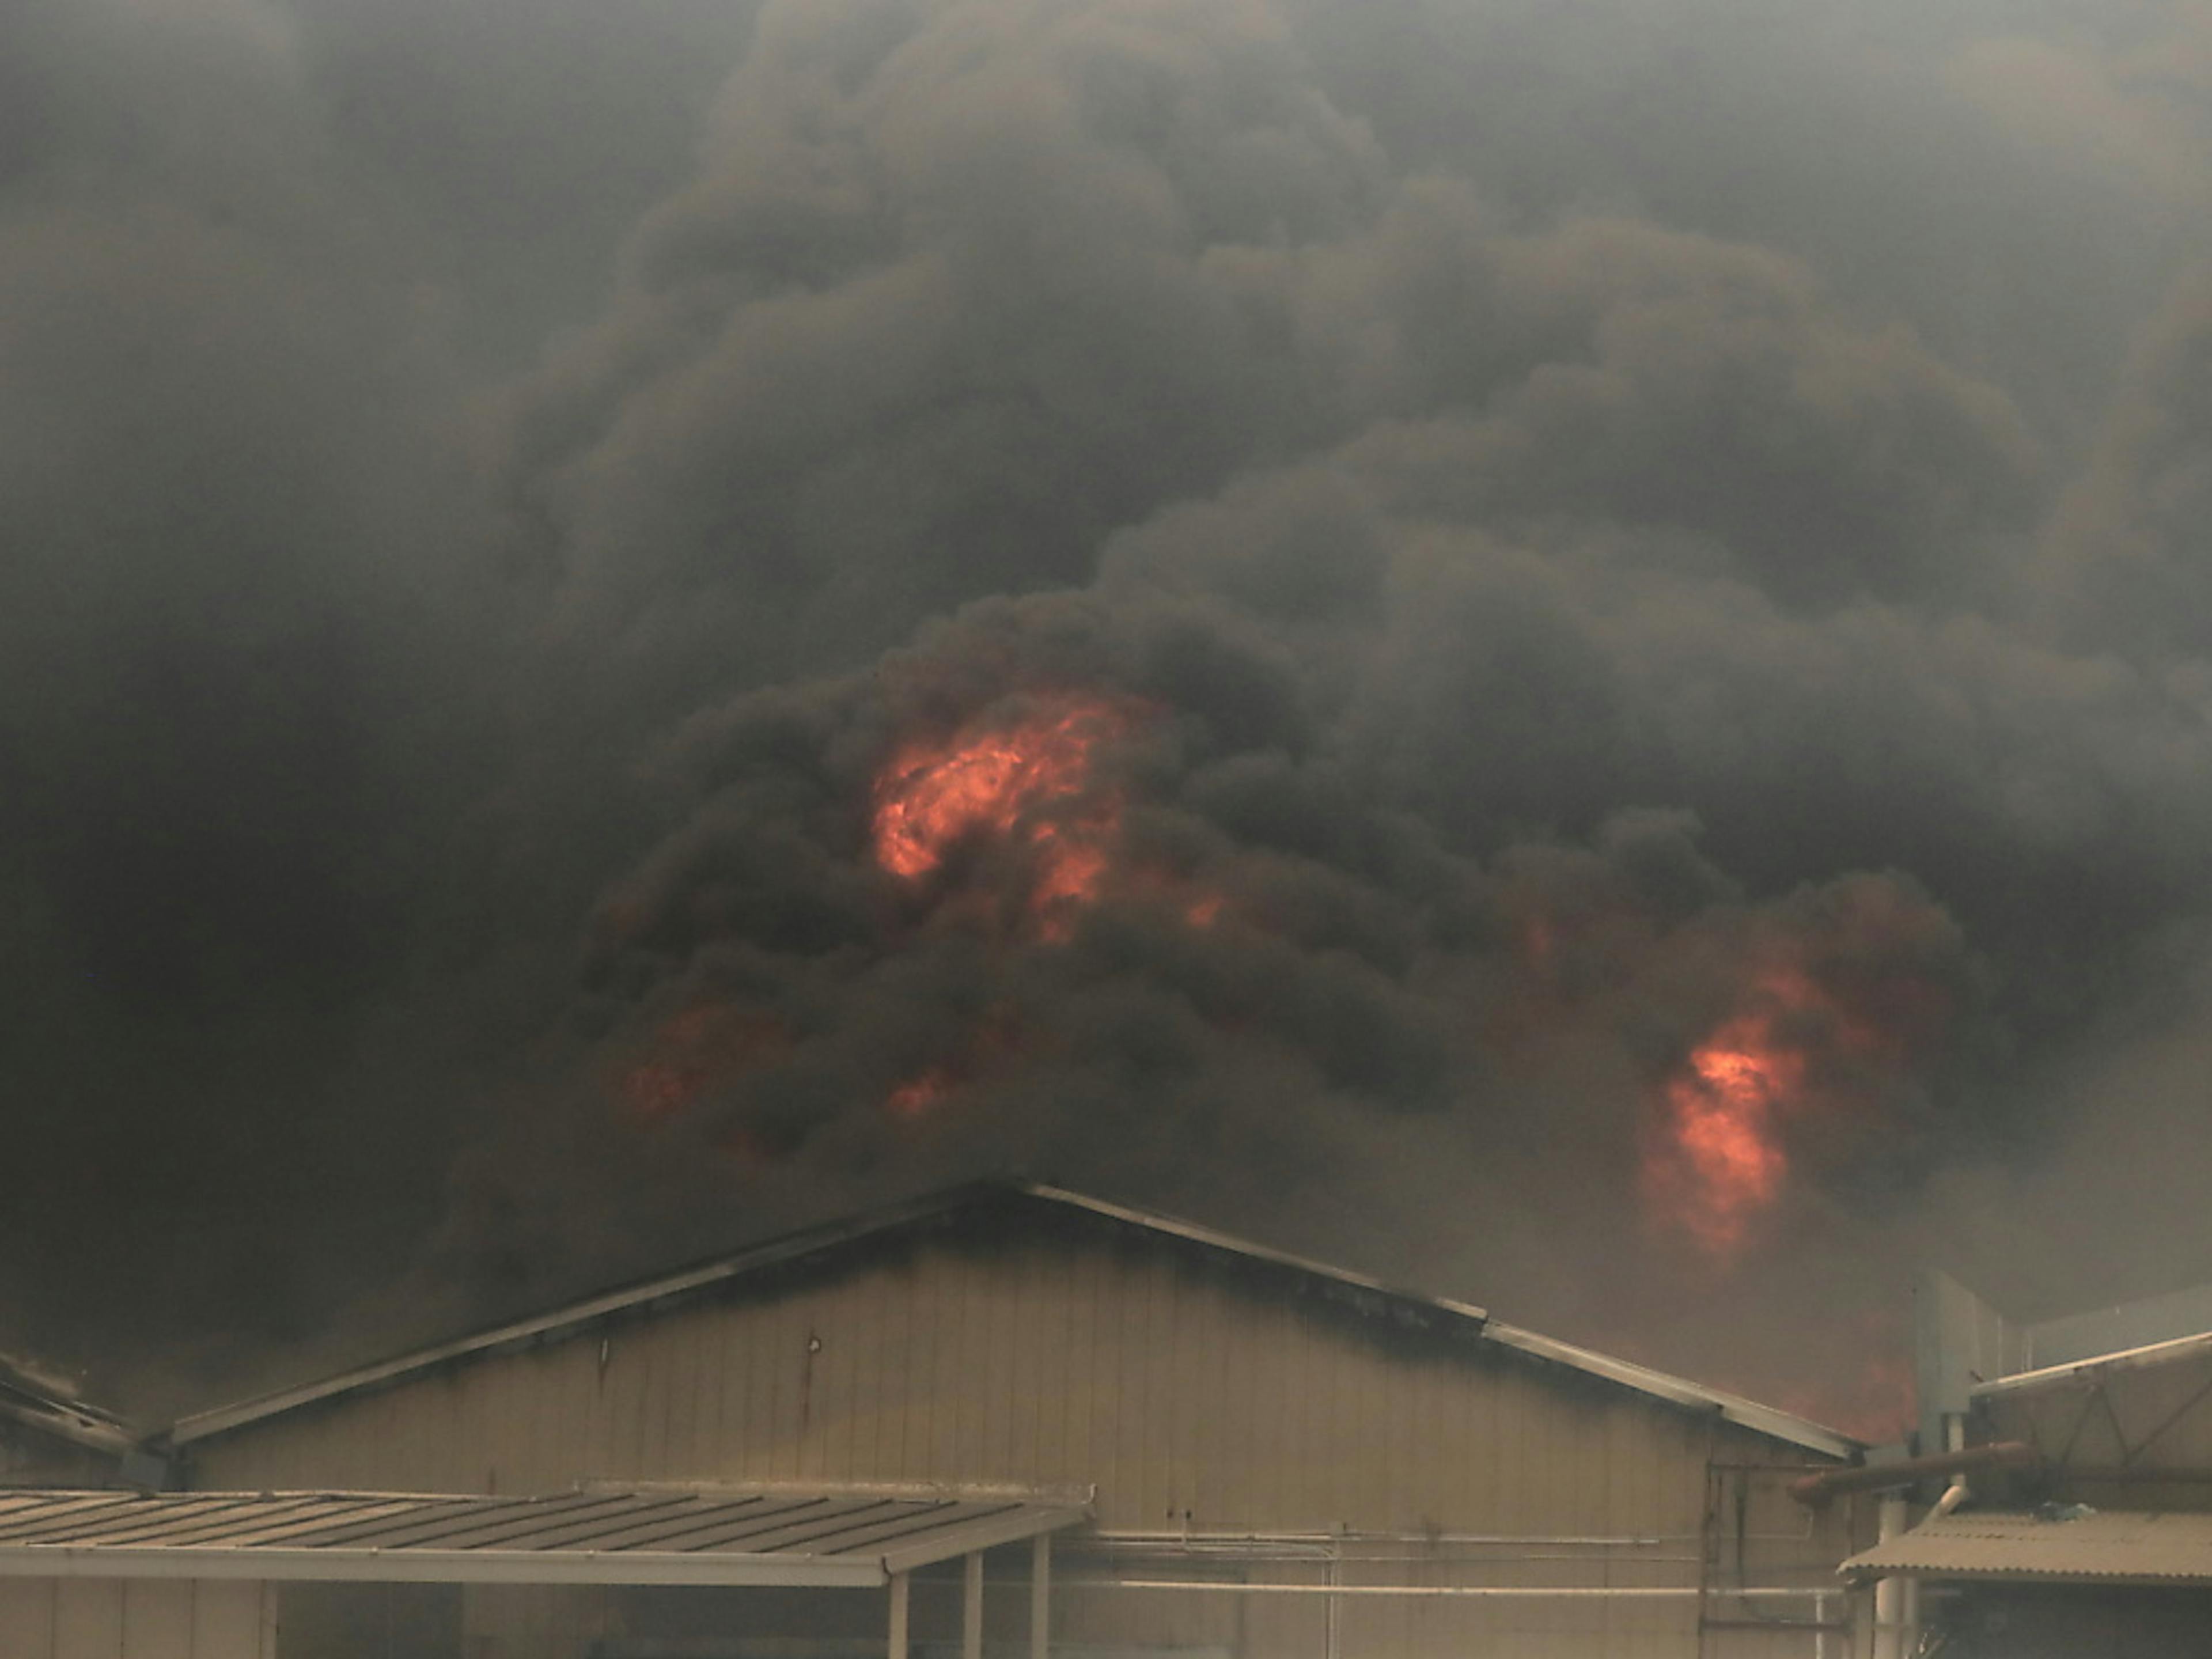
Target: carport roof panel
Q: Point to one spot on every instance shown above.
(820, 1537)
(2104, 1547)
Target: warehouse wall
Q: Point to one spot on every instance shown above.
(1192, 1395)
(115, 1619)
(28, 1458)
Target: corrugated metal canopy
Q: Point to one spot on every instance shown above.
(2106, 1547)
(842, 1536)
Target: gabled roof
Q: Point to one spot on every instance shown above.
(1358, 1291)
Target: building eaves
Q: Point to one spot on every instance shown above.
(1360, 1289)
(2101, 1547)
(1695, 1396)
(34, 1401)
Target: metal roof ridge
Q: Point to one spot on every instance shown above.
(1158, 1222)
(200, 1426)
(2151, 1354)
(793, 1245)
(1737, 1408)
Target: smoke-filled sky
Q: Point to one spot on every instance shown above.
(1563, 651)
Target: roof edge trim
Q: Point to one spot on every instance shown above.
(2127, 1359)
(574, 1316)
(1769, 1420)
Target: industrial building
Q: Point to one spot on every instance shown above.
(1003, 1419)
(2074, 1519)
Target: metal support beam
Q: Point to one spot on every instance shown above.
(897, 1647)
(1040, 1595)
(971, 1608)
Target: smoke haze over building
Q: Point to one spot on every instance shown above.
(1560, 651)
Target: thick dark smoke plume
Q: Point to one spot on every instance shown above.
(1567, 537)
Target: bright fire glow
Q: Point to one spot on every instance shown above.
(1030, 780)
(1724, 1108)
(695, 1051)
(1727, 1104)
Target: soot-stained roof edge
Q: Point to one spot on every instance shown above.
(580, 1316)
(52, 1406)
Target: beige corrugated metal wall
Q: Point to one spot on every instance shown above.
(1187, 1397)
(112, 1618)
(28, 1458)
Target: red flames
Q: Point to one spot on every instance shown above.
(994, 1041)
(1725, 1107)
(1031, 783)
(695, 1052)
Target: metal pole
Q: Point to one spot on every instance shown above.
(971, 1608)
(898, 1642)
(1335, 1606)
(1040, 1595)
(1506, 1592)
(1889, 1593)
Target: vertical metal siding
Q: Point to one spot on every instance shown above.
(116, 1619)
(1171, 1388)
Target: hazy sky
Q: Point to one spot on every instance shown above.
(1598, 531)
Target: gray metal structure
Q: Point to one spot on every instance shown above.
(2092, 1535)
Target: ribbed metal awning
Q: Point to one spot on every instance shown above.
(2106, 1547)
(848, 1536)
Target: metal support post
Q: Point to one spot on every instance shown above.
(1889, 1593)
(971, 1608)
(1040, 1595)
(898, 1648)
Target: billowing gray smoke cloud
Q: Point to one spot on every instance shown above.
(1558, 536)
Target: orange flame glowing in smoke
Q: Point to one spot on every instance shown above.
(1726, 1105)
(917, 1095)
(1031, 780)
(1724, 1108)
(693, 1052)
